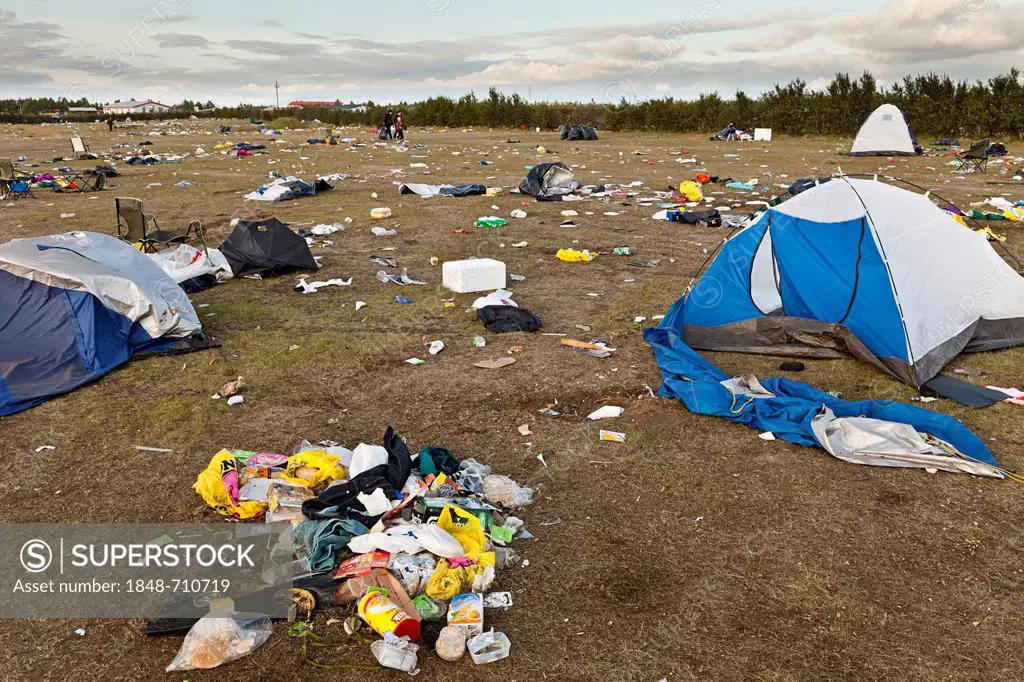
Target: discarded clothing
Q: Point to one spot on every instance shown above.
(320, 540)
(502, 319)
(341, 500)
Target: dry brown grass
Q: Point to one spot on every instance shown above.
(693, 551)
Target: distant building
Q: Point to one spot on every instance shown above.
(135, 107)
(337, 104)
(83, 110)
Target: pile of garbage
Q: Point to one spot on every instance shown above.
(408, 545)
(577, 133)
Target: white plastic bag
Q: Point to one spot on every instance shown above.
(221, 636)
(366, 457)
(409, 539)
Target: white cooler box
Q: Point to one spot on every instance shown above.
(473, 276)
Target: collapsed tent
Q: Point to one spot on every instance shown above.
(886, 133)
(576, 133)
(549, 182)
(284, 189)
(862, 268)
(193, 269)
(869, 432)
(442, 190)
(266, 248)
(730, 133)
(75, 306)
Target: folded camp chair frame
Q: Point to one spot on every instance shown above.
(133, 226)
(90, 182)
(78, 147)
(977, 156)
(8, 178)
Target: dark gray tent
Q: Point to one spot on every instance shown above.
(267, 247)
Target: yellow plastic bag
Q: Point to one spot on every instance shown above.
(446, 582)
(573, 256)
(465, 528)
(312, 468)
(691, 191)
(210, 484)
(1015, 214)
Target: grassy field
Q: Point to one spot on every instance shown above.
(693, 551)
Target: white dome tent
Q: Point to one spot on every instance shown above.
(886, 132)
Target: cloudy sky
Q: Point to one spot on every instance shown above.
(601, 50)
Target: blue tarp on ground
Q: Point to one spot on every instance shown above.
(691, 379)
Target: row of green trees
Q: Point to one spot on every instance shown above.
(935, 104)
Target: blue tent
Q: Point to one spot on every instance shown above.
(73, 307)
(862, 268)
(850, 267)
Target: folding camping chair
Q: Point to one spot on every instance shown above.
(80, 148)
(977, 156)
(91, 181)
(133, 227)
(12, 186)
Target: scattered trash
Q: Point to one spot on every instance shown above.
(573, 256)
(416, 362)
(231, 388)
(497, 363)
(380, 213)
(473, 276)
(612, 437)
(221, 636)
(311, 288)
(490, 221)
(436, 347)
(236, 400)
(43, 448)
(518, 213)
(606, 412)
(383, 232)
(488, 647)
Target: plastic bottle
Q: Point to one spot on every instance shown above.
(380, 213)
(383, 615)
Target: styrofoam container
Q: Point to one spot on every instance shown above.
(475, 275)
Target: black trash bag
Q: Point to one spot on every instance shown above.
(503, 319)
